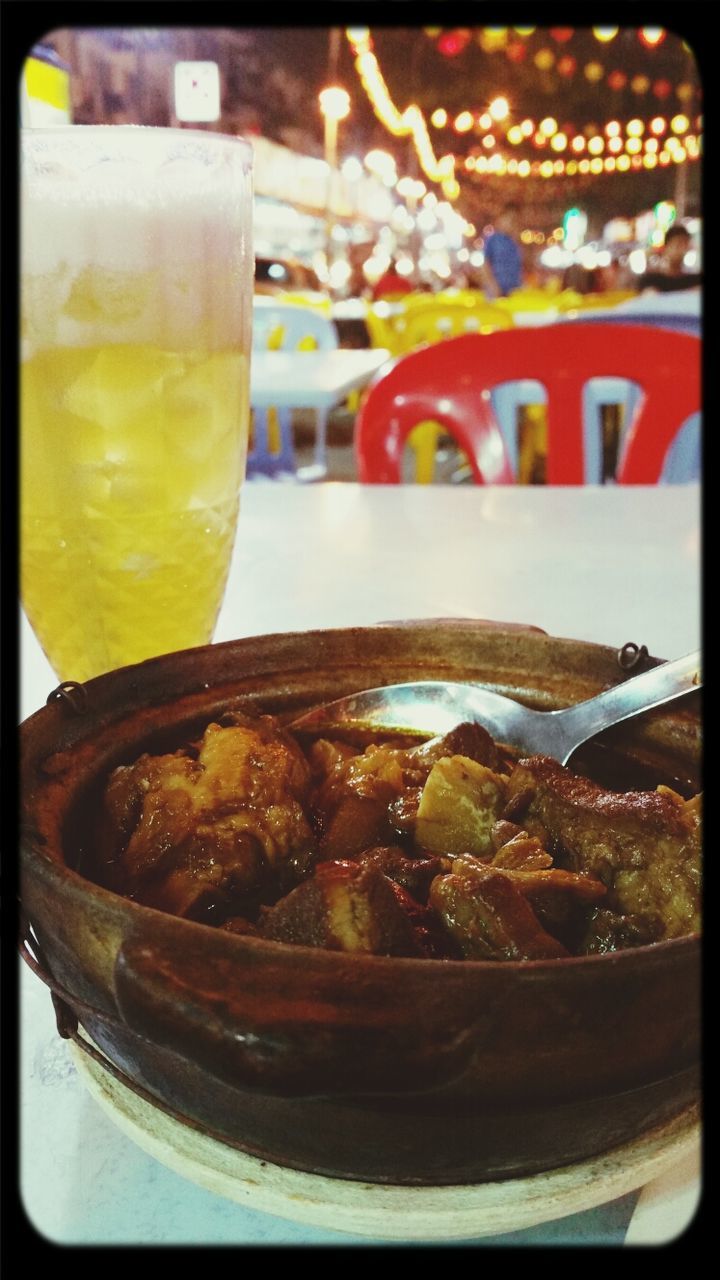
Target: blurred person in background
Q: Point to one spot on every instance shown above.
(671, 274)
(391, 284)
(503, 267)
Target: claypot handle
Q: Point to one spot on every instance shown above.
(250, 1016)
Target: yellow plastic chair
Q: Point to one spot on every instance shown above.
(447, 320)
(434, 323)
(586, 301)
(528, 300)
(306, 298)
(381, 328)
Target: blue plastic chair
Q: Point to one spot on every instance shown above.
(282, 326)
(683, 463)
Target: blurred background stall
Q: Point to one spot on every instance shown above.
(401, 146)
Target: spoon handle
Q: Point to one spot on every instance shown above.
(641, 693)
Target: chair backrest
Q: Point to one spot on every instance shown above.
(380, 327)
(529, 298)
(288, 326)
(446, 320)
(450, 383)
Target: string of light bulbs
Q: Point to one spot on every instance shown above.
(501, 164)
(410, 122)
(624, 155)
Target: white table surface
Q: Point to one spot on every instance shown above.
(310, 379)
(610, 565)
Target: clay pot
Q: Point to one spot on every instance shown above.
(362, 1067)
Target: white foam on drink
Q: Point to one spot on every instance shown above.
(129, 249)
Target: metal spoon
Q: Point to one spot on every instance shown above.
(432, 706)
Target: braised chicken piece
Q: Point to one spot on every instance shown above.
(562, 901)
(608, 931)
(415, 874)
(488, 917)
(346, 906)
(214, 823)
(643, 845)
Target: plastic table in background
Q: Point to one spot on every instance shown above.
(317, 380)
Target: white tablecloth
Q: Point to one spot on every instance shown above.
(610, 565)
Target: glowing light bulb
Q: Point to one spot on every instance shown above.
(652, 36)
(499, 108)
(680, 124)
(334, 102)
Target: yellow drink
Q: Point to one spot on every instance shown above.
(134, 413)
(130, 478)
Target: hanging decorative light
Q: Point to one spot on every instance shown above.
(400, 123)
(562, 34)
(452, 43)
(544, 59)
(662, 89)
(567, 65)
(516, 51)
(617, 80)
(680, 124)
(594, 71)
(491, 39)
(605, 34)
(640, 84)
(499, 108)
(651, 37)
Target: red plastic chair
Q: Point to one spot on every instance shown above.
(450, 382)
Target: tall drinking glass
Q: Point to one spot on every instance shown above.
(136, 312)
